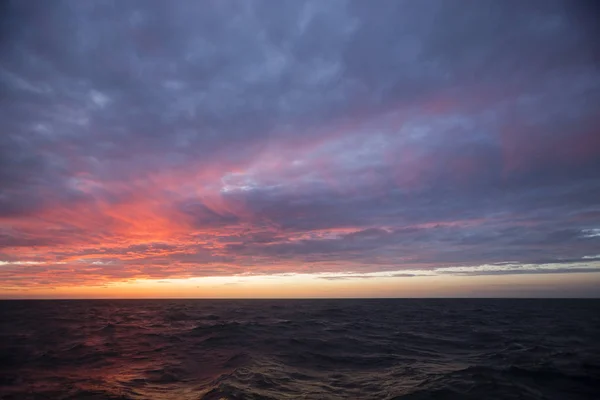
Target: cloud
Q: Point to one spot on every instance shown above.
(345, 277)
(378, 275)
(144, 141)
(580, 266)
(532, 271)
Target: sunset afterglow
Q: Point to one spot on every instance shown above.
(211, 150)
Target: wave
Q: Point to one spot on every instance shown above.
(372, 349)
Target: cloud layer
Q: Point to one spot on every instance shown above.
(142, 139)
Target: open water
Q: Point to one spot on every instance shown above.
(300, 349)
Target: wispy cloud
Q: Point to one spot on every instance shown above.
(231, 138)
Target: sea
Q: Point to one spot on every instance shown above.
(300, 349)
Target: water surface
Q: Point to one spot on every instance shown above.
(300, 349)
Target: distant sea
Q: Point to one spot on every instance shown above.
(300, 349)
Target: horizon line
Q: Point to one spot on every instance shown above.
(298, 298)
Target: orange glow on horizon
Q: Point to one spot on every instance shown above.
(315, 286)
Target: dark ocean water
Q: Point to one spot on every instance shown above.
(300, 349)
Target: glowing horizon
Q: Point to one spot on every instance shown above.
(313, 286)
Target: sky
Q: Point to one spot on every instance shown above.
(431, 148)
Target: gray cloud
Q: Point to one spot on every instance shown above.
(235, 137)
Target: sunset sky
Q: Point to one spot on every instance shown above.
(429, 148)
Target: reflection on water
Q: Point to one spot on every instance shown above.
(313, 349)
